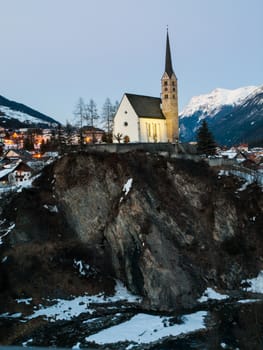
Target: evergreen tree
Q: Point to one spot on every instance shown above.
(42, 147)
(205, 140)
(69, 132)
(61, 139)
(28, 143)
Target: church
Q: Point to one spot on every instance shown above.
(150, 119)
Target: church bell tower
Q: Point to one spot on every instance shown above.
(169, 96)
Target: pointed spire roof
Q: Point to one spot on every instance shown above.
(168, 58)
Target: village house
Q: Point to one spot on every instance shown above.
(92, 134)
(18, 154)
(21, 173)
(15, 174)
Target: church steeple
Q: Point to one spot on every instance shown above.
(168, 58)
(169, 96)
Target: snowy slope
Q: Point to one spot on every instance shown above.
(210, 104)
(15, 115)
(233, 116)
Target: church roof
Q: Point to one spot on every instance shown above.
(168, 58)
(146, 106)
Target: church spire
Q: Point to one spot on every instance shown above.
(168, 58)
(170, 96)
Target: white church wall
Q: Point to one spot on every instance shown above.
(126, 121)
(153, 130)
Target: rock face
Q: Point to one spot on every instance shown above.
(167, 228)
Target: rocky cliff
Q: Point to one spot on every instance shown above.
(167, 228)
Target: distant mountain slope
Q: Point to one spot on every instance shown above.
(234, 116)
(244, 123)
(18, 115)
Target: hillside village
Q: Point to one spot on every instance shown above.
(18, 165)
(138, 120)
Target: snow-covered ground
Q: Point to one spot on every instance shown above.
(211, 294)
(249, 175)
(255, 284)
(144, 329)
(6, 232)
(19, 187)
(63, 309)
(22, 117)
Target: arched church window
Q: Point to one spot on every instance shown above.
(165, 83)
(173, 89)
(125, 123)
(173, 96)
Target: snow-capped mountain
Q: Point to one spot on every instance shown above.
(210, 104)
(229, 114)
(17, 115)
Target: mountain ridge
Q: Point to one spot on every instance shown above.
(218, 97)
(17, 115)
(233, 116)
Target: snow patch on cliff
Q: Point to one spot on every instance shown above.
(7, 231)
(145, 329)
(211, 294)
(63, 309)
(127, 187)
(255, 284)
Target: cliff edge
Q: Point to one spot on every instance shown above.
(167, 228)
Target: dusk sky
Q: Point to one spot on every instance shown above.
(55, 51)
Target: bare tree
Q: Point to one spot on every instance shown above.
(91, 113)
(108, 112)
(118, 137)
(80, 114)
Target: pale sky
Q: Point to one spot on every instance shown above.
(55, 51)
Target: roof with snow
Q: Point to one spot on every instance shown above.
(23, 167)
(18, 153)
(5, 172)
